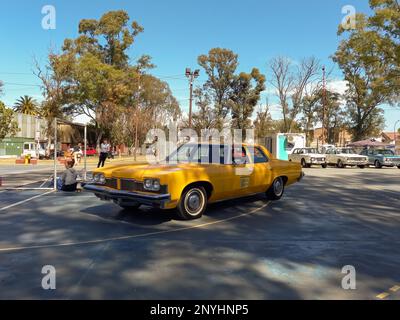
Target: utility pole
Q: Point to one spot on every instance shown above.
(323, 103)
(191, 76)
(395, 136)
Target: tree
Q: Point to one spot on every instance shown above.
(8, 126)
(26, 105)
(309, 107)
(246, 91)
(204, 118)
(93, 71)
(369, 59)
(386, 23)
(290, 83)
(263, 122)
(220, 66)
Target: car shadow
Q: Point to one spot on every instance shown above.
(149, 216)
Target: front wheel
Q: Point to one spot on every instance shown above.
(275, 192)
(378, 164)
(193, 203)
(361, 167)
(324, 166)
(398, 167)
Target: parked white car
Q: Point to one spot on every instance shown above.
(342, 157)
(308, 157)
(33, 150)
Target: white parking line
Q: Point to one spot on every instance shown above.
(24, 201)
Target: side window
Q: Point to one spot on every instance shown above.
(257, 155)
(296, 151)
(205, 153)
(239, 155)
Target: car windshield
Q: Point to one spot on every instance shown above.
(206, 154)
(312, 150)
(385, 152)
(348, 151)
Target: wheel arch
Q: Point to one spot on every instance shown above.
(207, 185)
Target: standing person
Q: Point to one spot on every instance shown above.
(78, 154)
(69, 176)
(104, 150)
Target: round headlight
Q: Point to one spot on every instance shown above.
(148, 184)
(96, 178)
(156, 185)
(102, 179)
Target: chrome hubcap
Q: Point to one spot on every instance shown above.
(278, 187)
(194, 202)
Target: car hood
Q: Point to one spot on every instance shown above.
(145, 170)
(389, 157)
(316, 155)
(352, 155)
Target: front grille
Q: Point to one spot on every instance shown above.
(356, 159)
(112, 183)
(131, 185)
(320, 159)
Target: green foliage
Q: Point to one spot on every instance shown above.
(8, 126)
(226, 93)
(26, 105)
(93, 76)
(246, 91)
(220, 66)
(370, 61)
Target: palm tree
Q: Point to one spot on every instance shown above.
(26, 105)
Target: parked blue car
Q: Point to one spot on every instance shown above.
(382, 158)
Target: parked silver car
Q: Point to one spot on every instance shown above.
(308, 157)
(382, 158)
(342, 157)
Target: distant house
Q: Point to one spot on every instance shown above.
(390, 137)
(341, 138)
(31, 129)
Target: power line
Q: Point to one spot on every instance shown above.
(21, 84)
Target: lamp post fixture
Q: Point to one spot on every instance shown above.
(191, 76)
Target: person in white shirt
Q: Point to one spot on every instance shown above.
(104, 150)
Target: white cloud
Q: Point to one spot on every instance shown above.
(338, 86)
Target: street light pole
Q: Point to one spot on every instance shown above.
(191, 75)
(323, 104)
(395, 134)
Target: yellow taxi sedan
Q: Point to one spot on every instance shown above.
(195, 175)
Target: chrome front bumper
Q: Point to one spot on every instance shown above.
(127, 197)
(355, 163)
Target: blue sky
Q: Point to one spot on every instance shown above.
(176, 32)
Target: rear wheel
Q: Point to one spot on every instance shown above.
(275, 192)
(398, 167)
(361, 167)
(378, 164)
(324, 166)
(193, 203)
